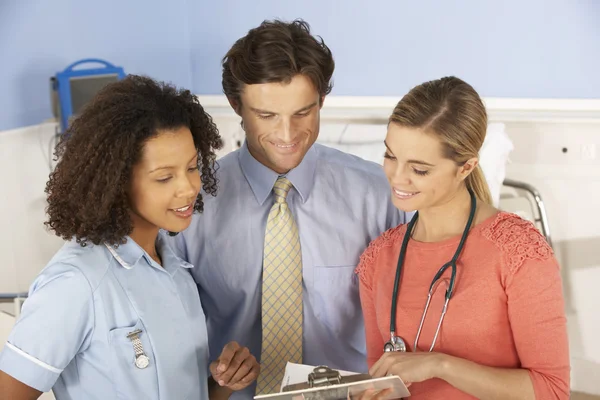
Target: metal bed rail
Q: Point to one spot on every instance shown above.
(16, 298)
(541, 216)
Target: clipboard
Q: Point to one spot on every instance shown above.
(324, 383)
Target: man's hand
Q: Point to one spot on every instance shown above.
(235, 368)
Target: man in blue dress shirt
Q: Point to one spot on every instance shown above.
(276, 78)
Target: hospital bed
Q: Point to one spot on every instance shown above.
(16, 299)
(526, 201)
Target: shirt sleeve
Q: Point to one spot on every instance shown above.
(365, 272)
(537, 317)
(374, 340)
(56, 323)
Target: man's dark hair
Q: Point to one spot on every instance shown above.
(276, 51)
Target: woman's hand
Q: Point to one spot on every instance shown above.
(235, 368)
(372, 394)
(410, 367)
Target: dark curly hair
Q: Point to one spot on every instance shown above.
(276, 51)
(87, 191)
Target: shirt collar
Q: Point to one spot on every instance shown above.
(170, 261)
(262, 178)
(129, 254)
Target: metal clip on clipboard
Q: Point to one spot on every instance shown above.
(323, 376)
(324, 383)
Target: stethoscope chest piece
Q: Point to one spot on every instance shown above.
(395, 344)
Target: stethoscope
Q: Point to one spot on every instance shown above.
(396, 343)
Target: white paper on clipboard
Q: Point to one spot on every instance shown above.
(298, 373)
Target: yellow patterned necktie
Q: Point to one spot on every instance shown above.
(281, 293)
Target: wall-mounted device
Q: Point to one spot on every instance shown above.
(72, 88)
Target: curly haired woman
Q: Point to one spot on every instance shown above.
(116, 314)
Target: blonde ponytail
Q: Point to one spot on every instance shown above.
(477, 183)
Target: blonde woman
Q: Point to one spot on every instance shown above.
(503, 335)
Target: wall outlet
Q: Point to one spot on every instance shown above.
(588, 151)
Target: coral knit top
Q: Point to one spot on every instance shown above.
(507, 309)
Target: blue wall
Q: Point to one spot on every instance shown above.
(41, 37)
(505, 48)
(511, 48)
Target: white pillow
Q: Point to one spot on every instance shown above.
(493, 157)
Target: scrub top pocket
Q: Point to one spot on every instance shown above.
(132, 382)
